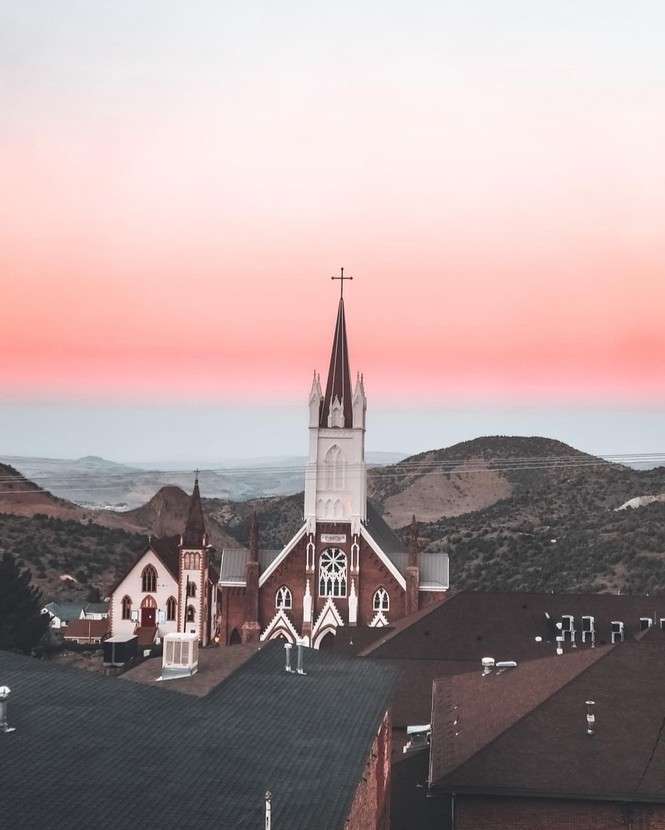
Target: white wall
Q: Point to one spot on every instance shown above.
(130, 586)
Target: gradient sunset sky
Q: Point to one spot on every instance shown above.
(180, 181)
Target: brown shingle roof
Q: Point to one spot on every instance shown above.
(524, 731)
(86, 628)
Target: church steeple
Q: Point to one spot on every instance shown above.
(195, 531)
(337, 409)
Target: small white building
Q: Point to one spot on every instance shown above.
(172, 586)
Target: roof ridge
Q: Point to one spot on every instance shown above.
(608, 650)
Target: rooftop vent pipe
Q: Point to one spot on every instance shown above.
(287, 654)
(590, 717)
(269, 807)
(5, 691)
(488, 664)
(300, 656)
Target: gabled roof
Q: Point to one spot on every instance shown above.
(134, 755)
(523, 732)
(65, 610)
(194, 533)
(87, 628)
(338, 386)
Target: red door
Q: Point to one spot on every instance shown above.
(148, 616)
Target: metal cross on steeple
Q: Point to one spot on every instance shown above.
(341, 279)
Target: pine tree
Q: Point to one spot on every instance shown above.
(22, 625)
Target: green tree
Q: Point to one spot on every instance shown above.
(22, 625)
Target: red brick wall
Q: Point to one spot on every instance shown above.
(370, 809)
(478, 813)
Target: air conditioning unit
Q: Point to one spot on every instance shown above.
(180, 657)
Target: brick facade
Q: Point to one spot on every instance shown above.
(487, 813)
(370, 809)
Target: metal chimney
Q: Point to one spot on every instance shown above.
(5, 691)
(488, 664)
(300, 655)
(268, 807)
(287, 654)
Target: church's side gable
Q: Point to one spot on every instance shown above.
(374, 574)
(290, 573)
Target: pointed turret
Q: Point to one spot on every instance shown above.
(250, 630)
(337, 403)
(254, 537)
(195, 531)
(413, 543)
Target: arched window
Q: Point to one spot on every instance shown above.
(191, 614)
(332, 573)
(191, 588)
(334, 468)
(283, 598)
(149, 579)
(170, 609)
(381, 600)
(126, 608)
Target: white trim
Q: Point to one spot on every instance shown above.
(282, 556)
(379, 620)
(383, 557)
(328, 629)
(432, 586)
(328, 618)
(233, 583)
(279, 621)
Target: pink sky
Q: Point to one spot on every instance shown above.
(170, 221)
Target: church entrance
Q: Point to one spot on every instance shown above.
(235, 638)
(149, 612)
(328, 641)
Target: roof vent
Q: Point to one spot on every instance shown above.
(300, 656)
(287, 655)
(5, 691)
(269, 806)
(506, 664)
(488, 664)
(590, 717)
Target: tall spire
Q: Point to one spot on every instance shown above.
(337, 403)
(254, 537)
(194, 535)
(413, 543)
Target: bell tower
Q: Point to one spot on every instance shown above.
(336, 475)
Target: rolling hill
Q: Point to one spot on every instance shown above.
(514, 513)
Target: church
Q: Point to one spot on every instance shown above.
(344, 566)
(172, 586)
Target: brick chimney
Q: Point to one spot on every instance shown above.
(250, 629)
(412, 570)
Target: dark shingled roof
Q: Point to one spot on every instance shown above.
(131, 755)
(339, 377)
(523, 732)
(504, 625)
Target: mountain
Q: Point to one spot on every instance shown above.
(514, 513)
(97, 483)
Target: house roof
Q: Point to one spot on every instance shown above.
(523, 732)
(504, 625)
(87, 628)
(339, 377)
(147, 752)
(97, 607)
(65, 610)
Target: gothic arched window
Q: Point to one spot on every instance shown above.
(191, 588)
(334, 468)
(170, 609)
(332, 573)
(149, 579)
(191, 614)
(126, 608)
(283, 598)
(381, 600)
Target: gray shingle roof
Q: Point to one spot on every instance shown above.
(234, 560)
(132, 755)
